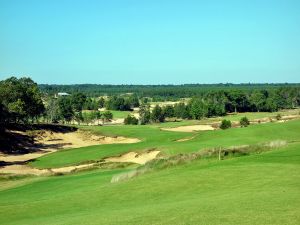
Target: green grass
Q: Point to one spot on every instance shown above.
(152, 137)
(259, 189)
(120, 114)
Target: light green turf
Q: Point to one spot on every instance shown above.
(120, 114)
(152, 137)
(259, 189)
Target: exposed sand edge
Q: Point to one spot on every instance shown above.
(54, 141)
(139, 158)
(191, 128)
(26, 170)
(185, 139)
(133, 157)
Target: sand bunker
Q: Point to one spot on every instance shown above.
(49, 142)
(27, 170)
(133, 157)
(139, 158)
(191, 128)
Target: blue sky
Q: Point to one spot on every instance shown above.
(150, 42)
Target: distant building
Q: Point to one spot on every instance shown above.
(61, 94)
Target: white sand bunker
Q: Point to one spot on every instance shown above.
(139, 158)
(191, 128)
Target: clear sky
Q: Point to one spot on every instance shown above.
(151, 41)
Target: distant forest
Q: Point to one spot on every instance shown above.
(159, 92)
(22, 101)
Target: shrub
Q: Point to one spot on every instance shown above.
(278, 116)
(225, 124)
(244, 122)
(131, 120)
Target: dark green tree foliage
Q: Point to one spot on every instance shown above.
(78, 100)
(168, 111)
(144, 114)
(181, 111)
(236, 98)
(101, 102)
(157, 114)
(66, 108)
(91, 104)
(106, 116)
(225, 124)
(244, 122)
(131, 120)
(198, 109)
(118, 103)
(3, 116)
(133, 101)
(258, 100)
(21, 100)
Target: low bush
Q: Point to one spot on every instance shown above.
(244, 122)
(225, 124)
(131, 120)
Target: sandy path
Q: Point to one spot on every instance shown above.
(191, 128)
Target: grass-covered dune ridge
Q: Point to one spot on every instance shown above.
(165, 141)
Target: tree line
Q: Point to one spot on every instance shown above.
(21, 101)
(159, 92)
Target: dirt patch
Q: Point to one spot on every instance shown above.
(139, 158)
(191, 128)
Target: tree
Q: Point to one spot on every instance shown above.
(244, 122)
(168, 111)
(144, 114)
(22, 98)
(198, 109)
(101, 102)
(131, 120)
(65, 108)
(78, 117)
(181, 111)
(3, 115)
(117, 103)
(52, 110)
(258, 99)
(157, 114)
(106, 116)
(78, 100)
(225, 124)
(134, 101)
